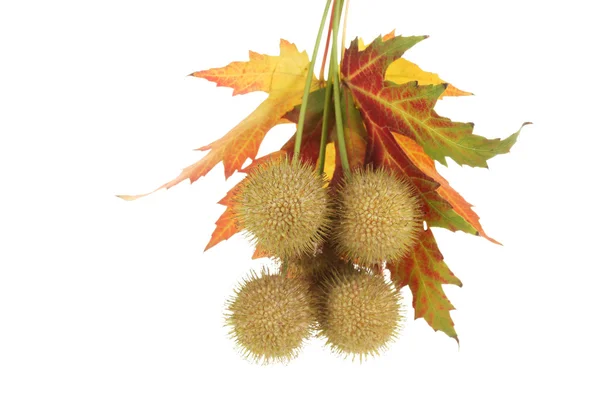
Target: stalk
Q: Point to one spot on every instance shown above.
(345, 26)
(309, 77)
(336, 91)
(325, 124)
(327, 42)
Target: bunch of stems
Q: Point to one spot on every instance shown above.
(333, 85)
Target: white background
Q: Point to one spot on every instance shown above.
(102, 299)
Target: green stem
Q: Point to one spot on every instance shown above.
(327, 42)
(345, 26)
(309, 78)
(339, 123)
(325, 124)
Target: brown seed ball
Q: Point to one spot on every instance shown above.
(322, 260)
(270, 317)
(307, 266)
(378, 217)
(323, 267)
(283, 205)
(360, 313)
(315, 269)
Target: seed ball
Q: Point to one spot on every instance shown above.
(378, 217)
(315, 269)
(283, 206)
(307, 266)
(316, 264)
(270, 317)
(327, 265)
(360, 313)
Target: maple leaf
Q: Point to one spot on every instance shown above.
(408, 108)
(283, 77)
(424, 271)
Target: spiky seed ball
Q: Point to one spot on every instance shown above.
(270, 316)
(378, 217)
(315, 269)
(323, 266)
(317, 263)
(360, 314)
(284, 207)
(305, 267)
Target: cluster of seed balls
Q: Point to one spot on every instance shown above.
(331, 243)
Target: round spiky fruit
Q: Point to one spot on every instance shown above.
(378, 217)
(283, 205)
(315, 269)
(360, 313)
(319, 263)
(270, 316)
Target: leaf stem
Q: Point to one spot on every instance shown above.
(345, 26)
(322, 73)
(309, 78)
(325, 123)
(339, 123)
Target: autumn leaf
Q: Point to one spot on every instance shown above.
(408, 108)
(283, 77)
(424, 271)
